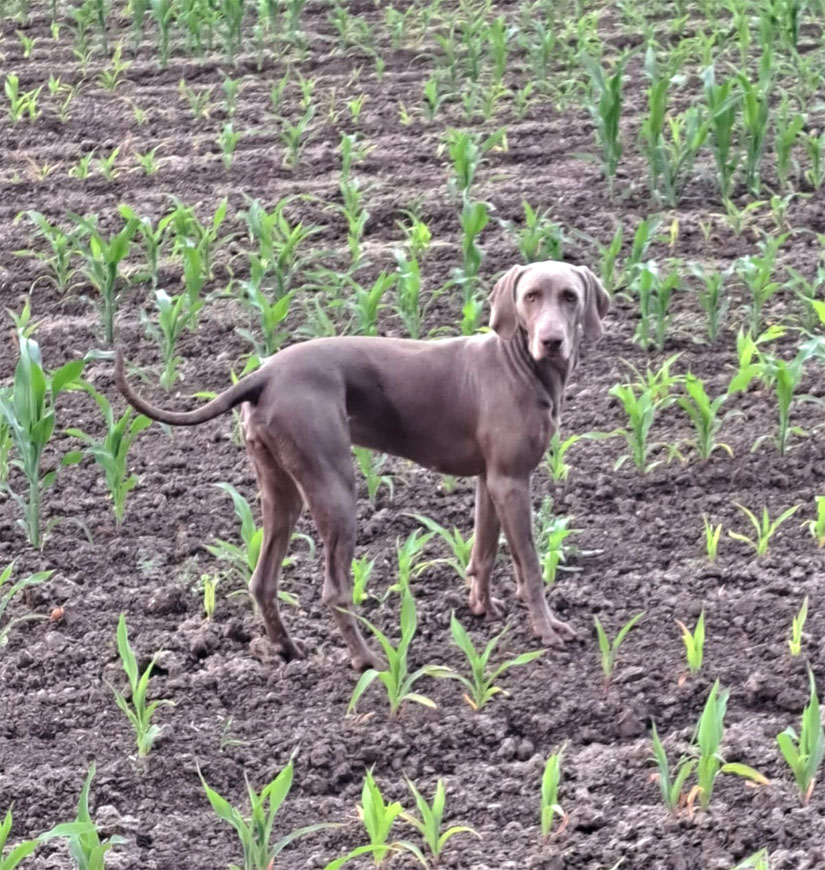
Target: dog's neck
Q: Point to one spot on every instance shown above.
(550, 373)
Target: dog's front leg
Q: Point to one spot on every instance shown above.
(483, 556)
(511, 497)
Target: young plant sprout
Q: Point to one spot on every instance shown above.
(137, 711)
(712, 535)
(765, 528)
(429, 820)
(694, 643)
(551, 809)
(610, 649)
(804, 752)
(480, 685)
(797, 627)
(398, 682)
(672, 789)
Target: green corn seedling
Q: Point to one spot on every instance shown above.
(765, 528)
(610, 649)
(755, 116)
(110, 452)
(228, 139)
(553, 531)
(279, 257)
(85, 846)
(370, 463)
(28, 409)
(815, 527)
(188, 232)
(786, 136)
(538, 238)
(102, 258)
(209, 586)
(417, 235)
(295, 137)
(722, 106)
(407, 555)
(163, 11)
(758, 861)
(256, 831)
(148, 161)
(367, 302)
(11, 859)
(106, 165)
(172, 320)
(605, 108)
(641, 411)
(642, 238)
(608, 260)
(408, 305)
(59, 254)
(9, 590)
(474, 218)
(398, 682)
(429, 820)
(804, 753)
(809, 292)
(694, 643)
(713, 298)
(654, 292)
(21, 103)
(797, 627)
(138, 712)
(271, 315)
(781, 376)
(653, 126)
(672, 790)
(671, 141)
(434, 97)
(467, 152)
(709, 734)
(712, 535)
(481, 684)
(198, 100)
(814, 145)
(460, 547)
(550, 806)
(361, 572)
(378, 818)
(554, 462)
(6, 445)
(756, 273)
(113, 76)
(151, 238)
(704, 414)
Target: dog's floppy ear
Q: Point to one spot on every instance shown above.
(503, 303)
(596, 304)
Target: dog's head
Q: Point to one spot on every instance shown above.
(549, 301)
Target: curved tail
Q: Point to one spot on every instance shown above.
(246, 390)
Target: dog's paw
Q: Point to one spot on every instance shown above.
(491, 608)
(366, 660)
(554, 633)
(290, 650)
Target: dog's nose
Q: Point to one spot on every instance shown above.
(551, 345)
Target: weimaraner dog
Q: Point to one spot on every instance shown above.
(485, 405)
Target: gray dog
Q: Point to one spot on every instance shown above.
(484, 406)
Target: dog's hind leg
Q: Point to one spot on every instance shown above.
(281, 506)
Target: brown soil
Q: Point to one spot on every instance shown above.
(238, 710)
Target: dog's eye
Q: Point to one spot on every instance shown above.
(531, 297)
(570, 296)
